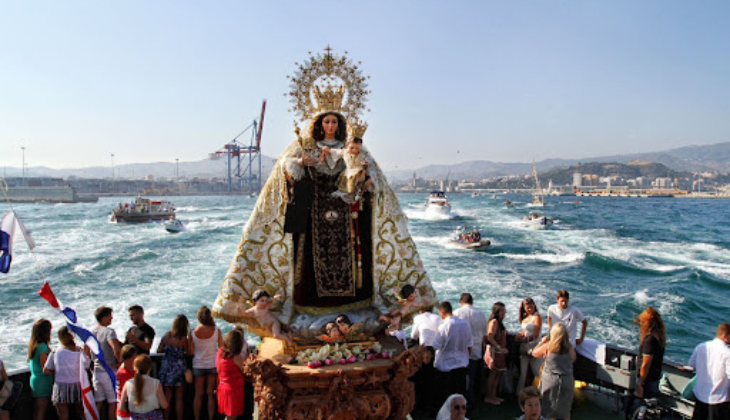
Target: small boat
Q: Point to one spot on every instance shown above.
(536, 220)
(475, 194)
(469, 239)
(143, 210)
(437, 203)
(480, 244)
(174, 226)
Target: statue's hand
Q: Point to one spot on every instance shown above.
(308, 160)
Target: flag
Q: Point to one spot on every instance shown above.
(85, 335)
(10, 228)
(87, 392)
(47, 294)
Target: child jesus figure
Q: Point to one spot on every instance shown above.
(355, 174)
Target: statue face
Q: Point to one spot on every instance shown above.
(353, 148)
(329, 125)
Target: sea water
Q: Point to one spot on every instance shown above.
(616, 256)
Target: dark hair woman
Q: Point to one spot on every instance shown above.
(229, 363)
(322, 127)
(40, 383)
(496, 354)
(204, 343)
(175, 346)
(653, 341)
(529, 336)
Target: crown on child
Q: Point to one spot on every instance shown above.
(328, 83)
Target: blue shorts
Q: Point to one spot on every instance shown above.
(203, 372)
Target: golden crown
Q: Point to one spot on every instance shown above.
(329, 82)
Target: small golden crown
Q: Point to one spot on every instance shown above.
(356, 129)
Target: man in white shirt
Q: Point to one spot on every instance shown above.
(569, 315)
(453, 344)
(711, 362)
(424, 329)
(478, 323)
(112, 348)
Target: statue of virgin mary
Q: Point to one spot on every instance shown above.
(322, 254)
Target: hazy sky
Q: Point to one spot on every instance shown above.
(507, 80)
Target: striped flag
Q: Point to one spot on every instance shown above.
(10, 228)
(85, 335)
(87, 392)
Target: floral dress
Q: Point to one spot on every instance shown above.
(172, 371)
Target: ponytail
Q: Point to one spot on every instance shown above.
(142, 366)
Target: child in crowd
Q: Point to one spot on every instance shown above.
(408, 304)
(204, 343)
(174, 345)
(529, 399)
(143, 396)
(125, 373)
(260, 311)
(65, 362)
(40, 383)
(229, 363)
(355, 174)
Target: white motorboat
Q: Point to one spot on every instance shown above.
(174, 226)
(536, 220)
(437, 203)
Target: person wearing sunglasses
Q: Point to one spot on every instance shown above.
(453, 409)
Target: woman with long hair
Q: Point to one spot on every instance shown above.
(204, 343)
(175, 346)
(653, 341)
(496, 354)
(143, 396)
(40, 383)
(229, 363)
(529, 337)
(556, 381)
(65, 363)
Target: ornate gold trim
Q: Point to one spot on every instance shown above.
(311, 310)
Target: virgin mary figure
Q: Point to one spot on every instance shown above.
(323, 255)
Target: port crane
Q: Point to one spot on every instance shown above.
(244, 162)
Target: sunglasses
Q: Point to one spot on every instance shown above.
(458, 407)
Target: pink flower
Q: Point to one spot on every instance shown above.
(311, 365)
(343, 361)
(370, 357)
(317, 363)
(386, 355)
(328, 362)
(352, 359)
(289, 359)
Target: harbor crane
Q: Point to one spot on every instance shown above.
(244, 162)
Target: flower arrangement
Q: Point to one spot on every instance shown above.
(331, 354)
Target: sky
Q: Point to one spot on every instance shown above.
(506, 81)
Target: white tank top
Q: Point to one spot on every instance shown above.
(205, 351)
(528, 327)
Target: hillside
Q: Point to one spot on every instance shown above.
(714, 157)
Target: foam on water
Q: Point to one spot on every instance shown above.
(616, 256)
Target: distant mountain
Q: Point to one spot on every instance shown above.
(199, 169)
(714, 157)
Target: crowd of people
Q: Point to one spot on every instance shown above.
(469, 353)
(201, 356)
(465, 344)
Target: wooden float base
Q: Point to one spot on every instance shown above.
(377, 389)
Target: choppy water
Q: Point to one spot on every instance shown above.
(615, 256)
